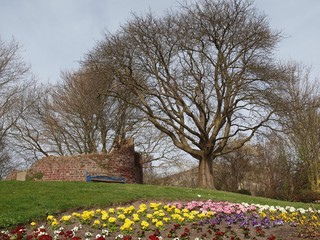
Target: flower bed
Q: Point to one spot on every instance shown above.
(191, 220)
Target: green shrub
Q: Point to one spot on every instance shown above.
(34, 176)
(244, 191)
(307, 196)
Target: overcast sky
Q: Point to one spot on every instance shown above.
(55, 34)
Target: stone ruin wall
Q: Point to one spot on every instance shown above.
(121, 161)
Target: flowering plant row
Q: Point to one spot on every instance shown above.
(191, 220)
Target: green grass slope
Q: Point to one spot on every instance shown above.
(22, 202)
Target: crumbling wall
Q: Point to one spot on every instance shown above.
(121, 161)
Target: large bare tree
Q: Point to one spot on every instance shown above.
(202, 75)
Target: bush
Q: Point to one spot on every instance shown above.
(34, 176)
(307, 196)
(244, 191)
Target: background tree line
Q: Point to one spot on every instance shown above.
(197, 86)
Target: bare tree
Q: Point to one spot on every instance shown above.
(75, 116)
(6, 165)
(299, 105)
(274, 167)
(202, 75)
(14, 80)
(12, 74)
(235, 167)
(29, 137)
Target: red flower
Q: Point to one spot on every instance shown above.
(19, 230)
(45, 237)
(153, 237)
(4, 236)
(102, 238)
(219, 233)
(272, 237)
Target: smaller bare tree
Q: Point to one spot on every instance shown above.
(14, 80)
(299, 103)
(234, 168)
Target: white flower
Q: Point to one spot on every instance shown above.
(41, 227)
(88, 234)
(301, 210)
(292, 209)
(105, 232)
(310, 210)
(199, 195)
(42, 233)
(56, 232)
(76, 228)
(273, 209)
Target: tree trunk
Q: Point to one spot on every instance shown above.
(205, 173)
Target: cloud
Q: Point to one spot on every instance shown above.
(55, 34)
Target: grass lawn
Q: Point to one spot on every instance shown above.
(22, 202)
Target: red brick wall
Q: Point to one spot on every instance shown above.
(122, 161)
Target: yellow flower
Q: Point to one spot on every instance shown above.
(54, 223)
(159, 224)
(177, 217)
(121, 216)
(65, 218)
(263, 214)
(50, 218)
(143, 206)
(149, 215)
(194, 212)
(201, 215)
(127, 225)
(177, 211)
(75, 214)
(144, 225)
(33, 224)
(210, 214)
(135, 217)
(166, 219)
(112, 220)
(169, 208)
(104, 212)
(87, 215)
(104, 216)
(129, 210)
(189, 216)
(98, 210)
(155, 206)
(141, 210)
(159, 213)
(314, 218)
(111, 210)
(96, 223)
